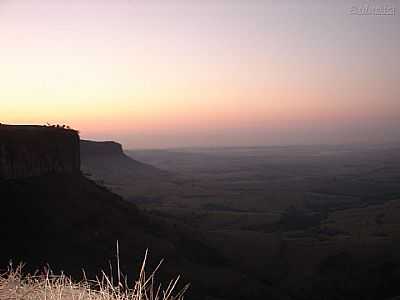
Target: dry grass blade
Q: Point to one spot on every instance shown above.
(15, 286)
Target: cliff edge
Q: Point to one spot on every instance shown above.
(28, 151)
(91, 148)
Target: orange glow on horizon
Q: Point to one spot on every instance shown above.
(209, 69)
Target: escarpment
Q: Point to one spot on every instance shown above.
(95, 149)
(29, 151)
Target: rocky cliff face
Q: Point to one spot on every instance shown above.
(28, 151)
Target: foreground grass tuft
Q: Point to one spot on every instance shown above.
(15, 286)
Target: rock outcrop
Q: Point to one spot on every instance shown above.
(28, 151)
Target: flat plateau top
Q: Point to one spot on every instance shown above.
(4, 127)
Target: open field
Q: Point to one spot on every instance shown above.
(298, 217)
(271, 179)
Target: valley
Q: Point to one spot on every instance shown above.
(283, 213)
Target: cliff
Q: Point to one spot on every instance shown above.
(28, 151)
(91, 148)
(106, 163)
(110, 157)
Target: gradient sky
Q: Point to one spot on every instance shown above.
(172, 73)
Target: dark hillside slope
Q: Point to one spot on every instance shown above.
(71, 223)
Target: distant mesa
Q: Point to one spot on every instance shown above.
(91, 148)
(108, 161)
(33, 150)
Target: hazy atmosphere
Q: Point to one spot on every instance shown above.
(155, 74)
(250, 146)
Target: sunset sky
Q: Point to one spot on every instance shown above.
(172, 73)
